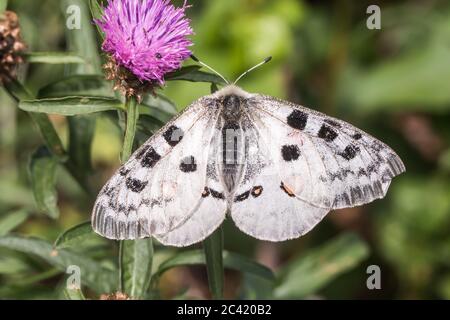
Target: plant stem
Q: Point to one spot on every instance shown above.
(213, 247)
(121, 270)
(130, 130)
(132, 117)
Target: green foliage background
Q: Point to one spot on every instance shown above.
(393, 83)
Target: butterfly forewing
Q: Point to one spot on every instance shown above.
(162, 183)
(354, 167)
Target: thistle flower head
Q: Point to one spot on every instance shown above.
(11, 45)
(149, 38)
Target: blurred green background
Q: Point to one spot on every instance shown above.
(393, 83)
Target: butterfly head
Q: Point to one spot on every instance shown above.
(231, 100)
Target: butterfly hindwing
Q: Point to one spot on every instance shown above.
(261, 207)
(161, 184)
(210, 210)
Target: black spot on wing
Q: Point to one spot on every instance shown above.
(297, 119)
(349, 152)
(372, 168)
(327, 133)
(357, 136)
(150, 158)
(188, 165)
(206, 193)
(173, 135)
(124, 171)
(362, 172)
(356, 195)
(140, 153)
(242, 197)
(210, 192)
(377, 146)
(332, 123)
(290, 152)
(135, 185)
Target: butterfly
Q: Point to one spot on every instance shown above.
(276, 168)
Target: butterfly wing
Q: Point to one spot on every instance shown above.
(313, 163)
(260, 207)
(210, 210)
(160, 186)
(349, 165)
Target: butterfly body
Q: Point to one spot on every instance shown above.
(277, 168)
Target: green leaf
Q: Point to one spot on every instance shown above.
(77, 85)
(53, 58)
(35, 278)
(13, 265)
(71, 106)
(13, 194)
(97, 13)
(213, 247)
(312, 271)
(137, 257)
(231, 260)
(158, 114)
(81, 135)
(52, 140)
(12, 220)
(43, 167)
(93, 275)
(146, 127)
(193, 74)
(73, 294)
(3, 5)
(46, 128)
(214, 88)
(160, 102)
(243, 264)
(74, 236)
(256, 288)
(390, 87)
(50, 135)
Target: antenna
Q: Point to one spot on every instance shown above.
(253, 68)
(208, 67)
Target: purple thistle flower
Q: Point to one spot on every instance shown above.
(147, 37)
